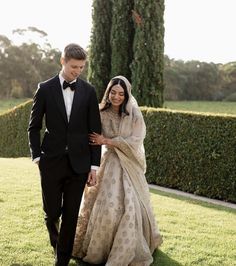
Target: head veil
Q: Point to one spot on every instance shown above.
(132, 127)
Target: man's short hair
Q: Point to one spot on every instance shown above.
(74, 51)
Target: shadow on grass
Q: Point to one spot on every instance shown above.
(17, 264)
(72, 263)
(79, 262)
(193, 201)
(161, 259)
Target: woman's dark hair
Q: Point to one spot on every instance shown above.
(122, 108)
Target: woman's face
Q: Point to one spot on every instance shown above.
(116, 96)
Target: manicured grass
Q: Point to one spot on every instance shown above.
(197, 106)
(8, 104)
(194, 233)
(203, 106)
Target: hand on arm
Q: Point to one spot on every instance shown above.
(97, 139)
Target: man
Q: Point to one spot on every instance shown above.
(66, 160)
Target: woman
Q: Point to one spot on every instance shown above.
(116, 225)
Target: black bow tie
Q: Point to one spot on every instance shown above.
(71, 85)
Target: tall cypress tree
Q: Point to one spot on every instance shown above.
(122, 34)
(148, 48)
(100, 49)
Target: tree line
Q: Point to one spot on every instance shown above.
(195, 80)
(23, 66)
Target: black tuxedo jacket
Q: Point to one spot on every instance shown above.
(61, 135)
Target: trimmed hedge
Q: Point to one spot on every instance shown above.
(13, 131)
(192, 152)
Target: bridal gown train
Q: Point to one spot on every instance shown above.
(116, 224)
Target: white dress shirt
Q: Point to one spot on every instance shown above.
(68, 96)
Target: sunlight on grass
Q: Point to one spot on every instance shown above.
(194, 233)
(8, 104)
(195, 106)
(203, 106)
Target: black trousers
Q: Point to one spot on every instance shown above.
(62, 190)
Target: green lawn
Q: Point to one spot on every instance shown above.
(197, 106)
(203, 106)
(194, 233)
(8, 104)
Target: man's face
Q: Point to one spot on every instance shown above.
(72, 69)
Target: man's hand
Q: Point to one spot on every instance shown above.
(36, 160)
(92, 179)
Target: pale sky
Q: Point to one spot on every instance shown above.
(201, 30)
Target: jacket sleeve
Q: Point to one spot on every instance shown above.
(94, 126)
(35, 123)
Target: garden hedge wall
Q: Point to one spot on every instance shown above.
(13, 131)
(192, 152)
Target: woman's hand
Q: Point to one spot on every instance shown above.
(96, 139)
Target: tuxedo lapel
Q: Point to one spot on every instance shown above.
(57, 92)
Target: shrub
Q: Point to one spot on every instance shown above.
(13, 130)
(188, 151)
(192, 152)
